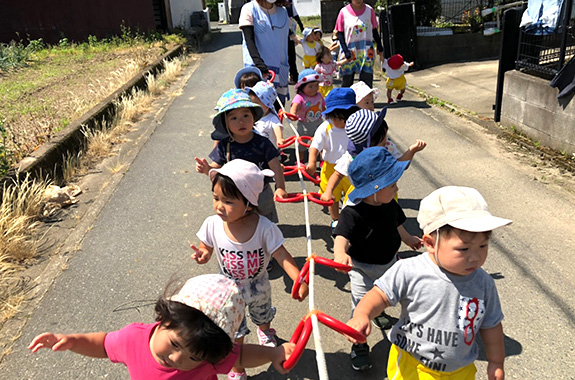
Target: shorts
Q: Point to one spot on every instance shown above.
(309, 61)
(258, 297)
(362, 276)
(396, 84)
(267, 204)
(324, 90)
(340, 190)
(401, 365)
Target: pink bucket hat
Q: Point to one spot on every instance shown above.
(218, 297)
(248, 178)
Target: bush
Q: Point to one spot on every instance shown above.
(214, 11)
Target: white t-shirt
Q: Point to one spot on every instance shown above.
(330, 141)
(394, 74)
(265, 127)
(242, 262)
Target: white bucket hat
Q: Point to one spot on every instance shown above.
(460, 207)
(248, 178)
(362, 90)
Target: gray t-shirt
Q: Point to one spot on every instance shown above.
(441, 313)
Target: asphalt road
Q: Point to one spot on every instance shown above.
(141, 235)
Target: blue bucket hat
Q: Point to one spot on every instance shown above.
(340, 98)
(360, 128)
(266, 93)
(245, 70)
(372, 170)
(232, 99)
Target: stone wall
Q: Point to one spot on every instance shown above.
(435, 50)
(531, 106)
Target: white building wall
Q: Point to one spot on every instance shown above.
(181, 10)
(308, 7)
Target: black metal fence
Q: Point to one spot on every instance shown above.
(544, 51)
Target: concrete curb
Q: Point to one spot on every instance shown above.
(48, 158)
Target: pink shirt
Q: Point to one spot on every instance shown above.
(339, 23)
(310, 107)
(131, 346)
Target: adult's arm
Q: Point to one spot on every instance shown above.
(249, 36)
(377, 40)
(298, 20)
(343, 45)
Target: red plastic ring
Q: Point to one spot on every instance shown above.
(302, 340)
(315, 198)
(331, 263)
(304, 272)
(291, 198)
(290, 170)
(316, 180)
(287, 142)
(273, 74)
(305, 138)
(290, 116)
(340, 327)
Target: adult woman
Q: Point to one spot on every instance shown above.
(356, 27)
(265, 29)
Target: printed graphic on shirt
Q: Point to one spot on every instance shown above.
(471, 312)
(313, 112)
(242, 265)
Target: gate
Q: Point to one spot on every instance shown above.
(398, 31)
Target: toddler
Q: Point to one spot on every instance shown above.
(326, 67)
(247, 77)
(331, 141)
(269, 125)
(307, 105)
(365, 96)
(235, 120)
(394, 68)
(191, 338)
(310, 45)
(244, 243)
(370, 232)
(444, 292)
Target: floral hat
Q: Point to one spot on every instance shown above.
(307, 76)
(232, 99)
(266, 93)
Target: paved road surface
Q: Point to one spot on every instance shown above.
(142, 234)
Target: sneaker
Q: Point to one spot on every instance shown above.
(237, 376)
(399, 97)
(333, 225)
(360, 360)
(390, 101)
(267, 338)
(382, 322)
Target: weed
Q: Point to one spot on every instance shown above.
(537, 144)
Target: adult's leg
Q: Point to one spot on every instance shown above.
(367, 78)
(293, 73)
(347, 80)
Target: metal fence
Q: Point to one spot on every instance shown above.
(544, 53)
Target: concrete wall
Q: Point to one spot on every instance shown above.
(531, 106)
(434, 50)
(181, 10)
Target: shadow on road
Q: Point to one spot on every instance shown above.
(221, 40)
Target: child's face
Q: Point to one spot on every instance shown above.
(257, 100)
(386, 194)
(317, 36)
(240, 122)
(229, 209)
(167, 349)
(460, 252)
(367, 102)
(326, 58)
(310, 38)
(311, 88)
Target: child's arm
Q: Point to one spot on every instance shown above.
(253, 355)
(371, 305)
(278, 131)
(418, 146)
(311, 166)
(203, 167)
(412, 241)
(294, 107)
(286, 261)
(276, 167)
(332, 183)
(91, 344)
(340, 247)
(495, 351)
(203, 254)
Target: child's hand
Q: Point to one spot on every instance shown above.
(281, 354)
(361, 323)
(418, 146)
(303, 291)
(280, 193)
(311, 169)
(410, 64)
(57, 342)
(202, 165)
(414, 242)
(342, 258)
(201, 256)
(495, 371)
(327, 196)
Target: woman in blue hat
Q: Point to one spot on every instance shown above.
(370, 232)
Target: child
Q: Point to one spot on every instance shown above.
(444, 292)
(244, 243)
(310, 46)
(269, 125)
(365, 96)
(364, 129)
(370, 232)
(394, 68)
(307, 105)
(235, 119)
(326, 67)
(331, 140)
(247, 77)
(191, 339)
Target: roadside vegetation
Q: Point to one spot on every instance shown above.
(42, 90)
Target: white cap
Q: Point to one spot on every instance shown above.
(247, 177)
(362, 90)
(460, 207)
